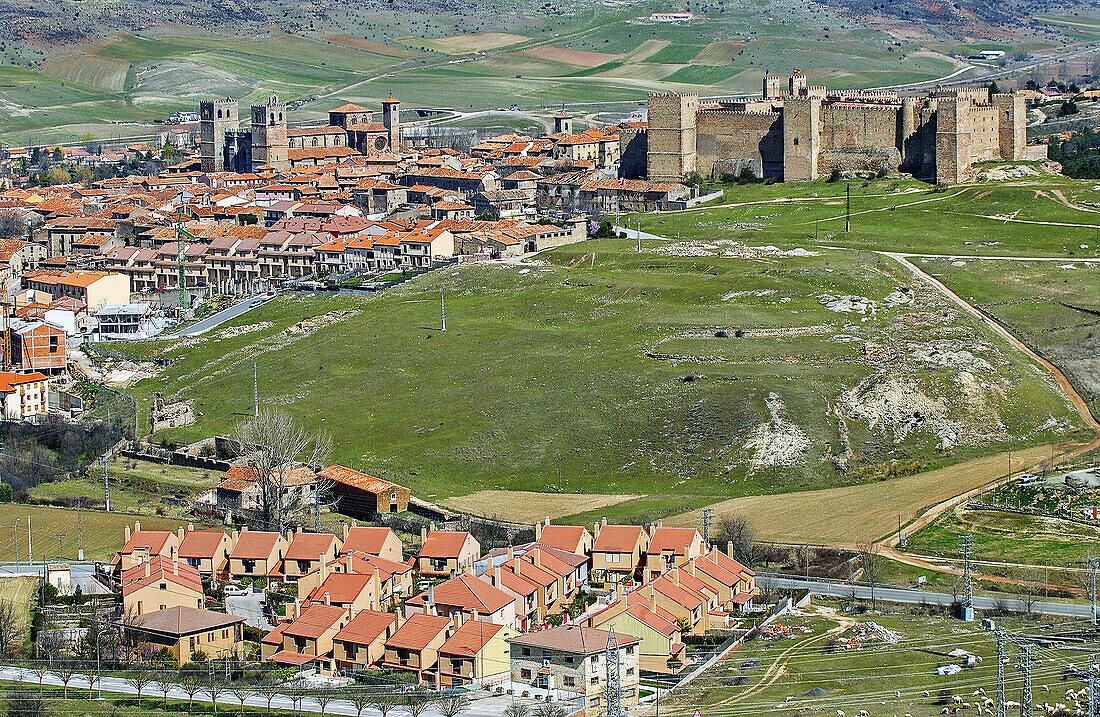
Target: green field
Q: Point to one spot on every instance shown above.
(137, 487)
(822, 666)
(694, 372)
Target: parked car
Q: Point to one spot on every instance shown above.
(236, 591)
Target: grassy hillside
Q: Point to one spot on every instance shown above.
(720, 365)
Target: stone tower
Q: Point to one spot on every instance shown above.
(797, 85)
(1012, 124)
(391, 118)
(216, 117)
(671, 151)
(563, 122)
(801, 137)
(770, 86)
(270, 144)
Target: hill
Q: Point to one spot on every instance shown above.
(743, 358)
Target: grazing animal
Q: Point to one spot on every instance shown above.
(840, 713)
(864, 713)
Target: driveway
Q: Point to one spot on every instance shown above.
(210, 322)
(248, 607)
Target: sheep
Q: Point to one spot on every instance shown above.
(840, 713)
(956, 699)
(945, 711)
(1044, 688)
(966, 705)
(897, 694)
(926, 693)
(864, 713)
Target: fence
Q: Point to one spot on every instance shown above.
(981, 505)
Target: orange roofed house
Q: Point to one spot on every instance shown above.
(477, 653)
(415, 646)
(671, 547)
(257, 554)
(618, 551)
(206, 550)
(307, 552)
(158, 584)
(185, 631)
(380, 542)
(25, 395)
(363, 496)
(445, 553)
(361, 643)
(141, 545)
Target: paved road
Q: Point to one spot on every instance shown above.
(492, 706)
(232, 312)
(921, 597)
(248, 607)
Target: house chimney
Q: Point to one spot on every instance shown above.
(518, 569)
(175, 566)
(691, 567)
(190, 527)
(456, 619)
(714, 555)
(146, 564)
(596, 529)
(321, 559)
(658, 522)
(547, 521)
(536, 559)
(603, 522)
(431, 526)
(429, 606)
(423, 534)
(496, 577)
(675, 577)
(328, 599)
(475, 615)
(137, 525)
(179, 533)
(489, 563)
(652, 600)
(290, 534)
(322, 572)
(538, 531)
(376, 586)
(346, 529)
(127, 533)
(511, 553)
(347, 563)
(729, 548)
(299, 530)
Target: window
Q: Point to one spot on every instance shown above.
(796, 141)
(526, 651)
(164, 586)
(596, 680)
(613, 557)
(630, 670)
(53, 344)
(569, 659)
(630, 649)
(525, 674)
(594, 659)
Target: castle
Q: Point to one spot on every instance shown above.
(810, 132)
(224, 146)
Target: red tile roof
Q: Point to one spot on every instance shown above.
(366, 627)
(255, 545)
(674, 539)
(341, 588)
(572, 638)
(315, 620)
(200, 543)
(470, 638)
(443, 544)
(418, 631)
(350, 477)
(309, 546)
(618, 538)
(562, 537)
(366, 539)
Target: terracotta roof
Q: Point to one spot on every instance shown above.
(443, 544)
(255, 545)
(469, 594)
(562, 537)
(341, 588)
(315, 620)
(674, 539)
(366, 627)
(418, 631)
(182, 621)
(652, 620)
(160, 569)
(309, 546)
(290, 657)
(572, 638)
(469, 639)
(349, 477)
(678, 594)
(200, 543)
(349, 107)
(618, 538)
(151, 540)
(366, 539)
(275, 637)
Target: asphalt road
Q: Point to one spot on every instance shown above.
(921, 597)
(248, 607)
(232, 312)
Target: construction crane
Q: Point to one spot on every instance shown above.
(181, 259)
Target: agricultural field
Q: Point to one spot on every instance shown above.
(736, 359)
(137, 487)
(102, 532)
(19, 593)
(826, 660)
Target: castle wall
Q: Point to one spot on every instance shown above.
(801, 138)
(848, 125)
(1012, 117)
(633, 151)
(728, 141)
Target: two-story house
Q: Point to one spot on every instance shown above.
(618, 552)
(158, 584)
(671, 547)
(206, 550)
(446, 553)
(307, 551)
(476, 654)
(257, 554)
(361, 644)
(414, 647)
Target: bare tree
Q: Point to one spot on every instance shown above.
(417, 701)
(384, 700)
(273, 445)
(361, 699)
(738, 531)
(549, 709)
(268, 693)
(323, 697)
(517, 709)
(452, 704)
(13, 630)
(192, 685)
(165, 686)
(242, 694)
(139, 679)
(214, 689)
(65, 673)
(41, 670)
(871, 562)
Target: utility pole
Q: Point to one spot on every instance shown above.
(1001, 637)
(442, 312)
(1092, 687)
(60, 550)
(1093, 562)
(639, 235)
(1025, 688)
(30, 553)
(706, 526)
(317, 509)
(17, 541)
(106, 486)
(965, 548)
(255, 392)
(847, 207)
(80, 531)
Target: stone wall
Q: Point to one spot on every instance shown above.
(872, 160)
(671, 136)
(633, 151)
(801, 138)
(728, 141)
(859, 125)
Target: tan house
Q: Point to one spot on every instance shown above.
(352, 591)
(661, 647)
(570, 662)
(671, 547)
(158, 584)
(361, 643)
(414, 647)
(445, 553)
(206, 550)
(477, 653)
(618, 551)
(307, 551)
(395, 580)
(186, 631)
(570, 538)
(465, 598)
(308, 638)
(141, 545)
(377, 541)
(257, 554)
(734, 583)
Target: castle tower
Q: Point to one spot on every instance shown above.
(216, 117)
(563, 122)
(770, 86)
(797, 84)
(671, 143)
(391, 118)
(952, 136)
(801, 137)
(1012, 121)
(270, 144)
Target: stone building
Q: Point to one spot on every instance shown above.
(808, 132)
